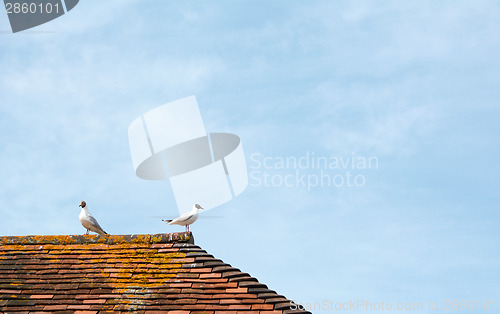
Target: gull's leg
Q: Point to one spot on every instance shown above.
(87, 231)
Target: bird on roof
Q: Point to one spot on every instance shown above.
(187, 218)
(88, 221)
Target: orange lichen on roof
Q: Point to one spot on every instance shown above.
(140, 273)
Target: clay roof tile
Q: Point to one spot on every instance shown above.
(140, 273)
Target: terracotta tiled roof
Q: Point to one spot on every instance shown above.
(140, 273)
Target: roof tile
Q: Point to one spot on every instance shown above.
(140, 273)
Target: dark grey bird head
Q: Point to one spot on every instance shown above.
(82, 204)
(198, 206)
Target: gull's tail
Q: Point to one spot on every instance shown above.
(102, 232)
(167, 220)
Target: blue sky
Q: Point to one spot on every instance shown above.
(413, 84)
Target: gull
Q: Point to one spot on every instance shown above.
(88, 221)
(186, 219)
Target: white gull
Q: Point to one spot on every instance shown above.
(88, 221)
(187, 218)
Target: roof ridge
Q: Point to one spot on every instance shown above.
(177, 237)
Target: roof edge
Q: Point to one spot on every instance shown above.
(177, 237)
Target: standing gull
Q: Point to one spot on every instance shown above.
(186, 219)
(88, 221)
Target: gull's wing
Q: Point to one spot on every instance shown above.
(182, 218)
(94, 222)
